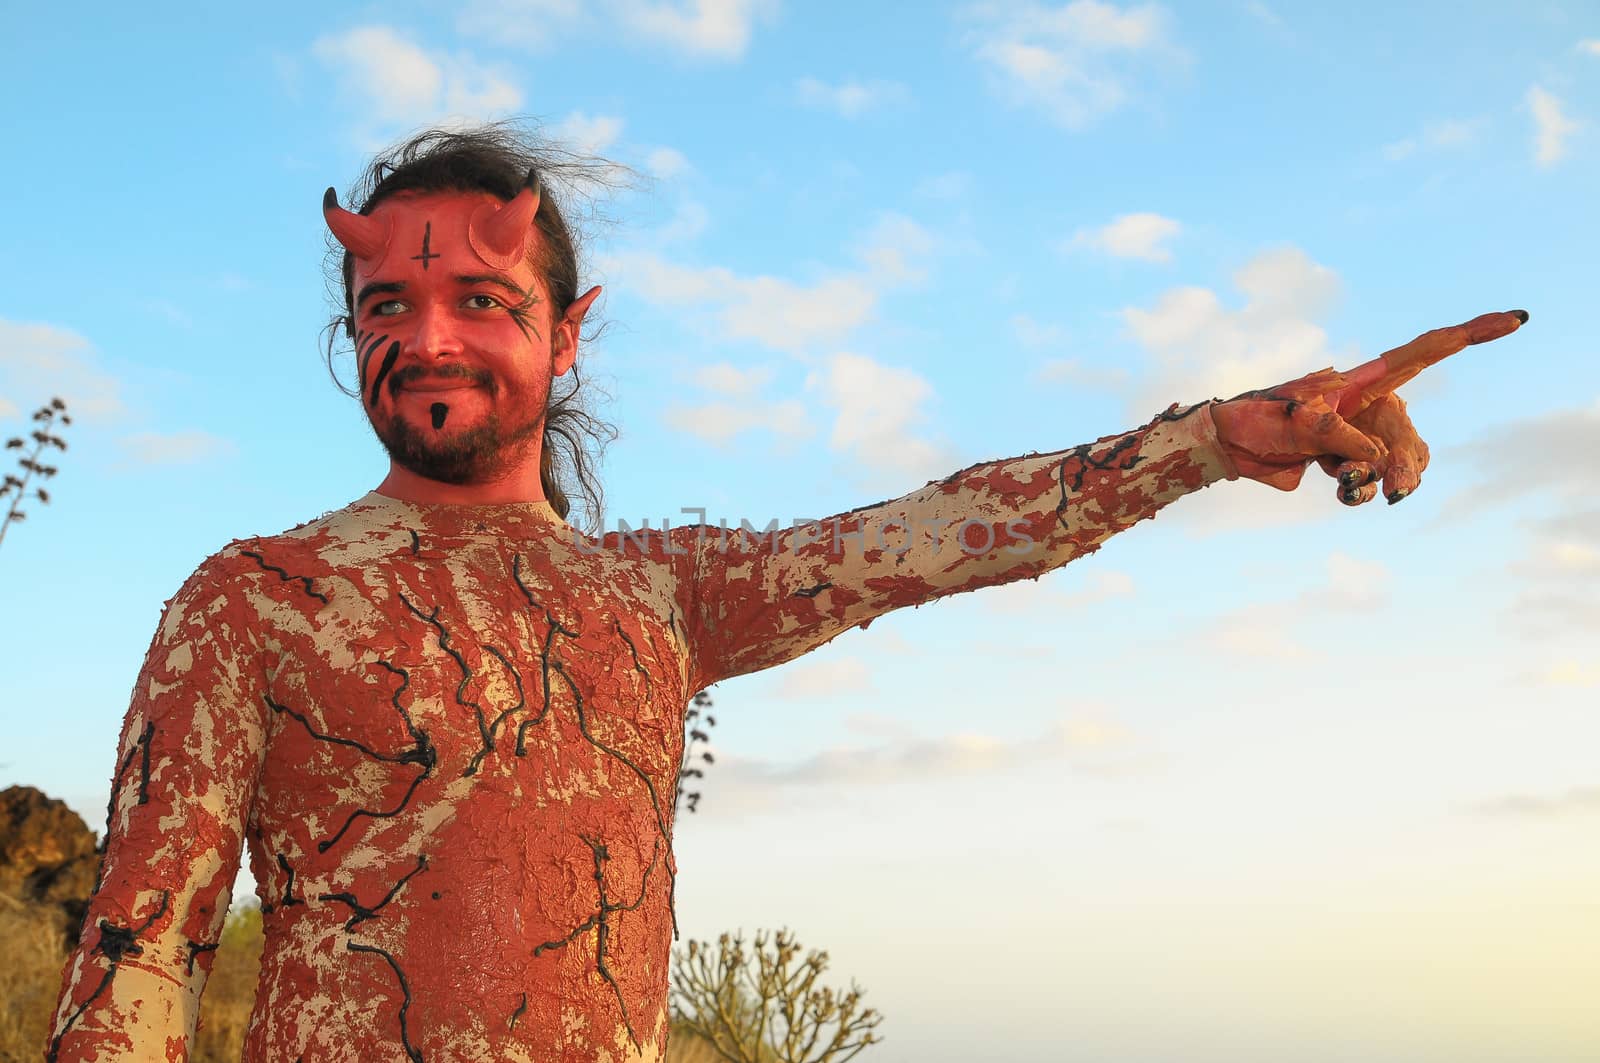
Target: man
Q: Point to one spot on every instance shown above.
(449, 727)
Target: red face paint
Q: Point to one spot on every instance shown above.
(453, 339)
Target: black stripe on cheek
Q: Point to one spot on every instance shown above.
(366, 357)
(390, 356)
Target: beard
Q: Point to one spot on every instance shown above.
(474, 456)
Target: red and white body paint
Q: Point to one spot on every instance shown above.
(450, 737)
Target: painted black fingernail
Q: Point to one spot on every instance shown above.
(1522, 316)
(1395, 496)
(1351, 496)
(1352, 478)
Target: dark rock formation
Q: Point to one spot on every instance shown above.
(47, 855)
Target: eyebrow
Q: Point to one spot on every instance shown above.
(369, 290)
(490, 278)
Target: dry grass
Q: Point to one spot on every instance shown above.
(30, 976)
(231, 990)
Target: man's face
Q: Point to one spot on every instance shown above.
(455, 357)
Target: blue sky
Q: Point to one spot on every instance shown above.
(1265, 779)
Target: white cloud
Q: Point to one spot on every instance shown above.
(773, 312)
(1591, 45)
(896, 251)
(1073, 372)
(824, 678)
(1034, 334)
(878, 416)
(1140, 236)
(1451, 133)
(719, 423)
(1265, 14)
(1570, 673)
(1201, 349)
(1552, 127)
(850, 99)
(1089, 743)
(1353, 585)
(1549, 452)
(956, 184)
(666, 163)
(589, 134)
(1051, 595)
(175, 448)
(38, 362)
(718, 29)
(731, 380)
(398, 82)
(1579, 800)
(528, 23)
(1066, 60)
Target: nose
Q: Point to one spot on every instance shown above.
(434, 336)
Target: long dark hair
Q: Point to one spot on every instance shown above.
(496, 159)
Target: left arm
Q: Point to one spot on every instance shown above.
(760, 601)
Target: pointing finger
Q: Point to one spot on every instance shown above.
(1389, 370)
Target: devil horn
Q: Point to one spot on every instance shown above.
(500, 234)
(364, 237)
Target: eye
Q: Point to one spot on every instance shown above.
(388, 308)
(481, 301)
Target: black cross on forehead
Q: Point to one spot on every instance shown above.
(427, 234)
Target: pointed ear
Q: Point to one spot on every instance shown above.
(564, 344)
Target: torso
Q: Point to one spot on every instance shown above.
(470, 775)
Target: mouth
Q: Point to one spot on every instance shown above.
(435, 386)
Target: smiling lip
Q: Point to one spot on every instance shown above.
(437, 385)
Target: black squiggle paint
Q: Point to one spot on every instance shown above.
(289, 899)
(1084, 455)
(360, 913)
(405, 989)
(196, 948)
(812, 592)
(432, 619)
(391, 356)
(111, 811)
(119, 941)
(55, 1042)
(600, 922)
(522, 1006)
(634, 651)
(144, 762)
(284, 577)
(422, 753)
(555, 627)
(488, 736)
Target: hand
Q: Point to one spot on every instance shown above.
(1352, 423)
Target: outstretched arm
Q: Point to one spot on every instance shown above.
(186, 771)
(757, 602)
(760, 601)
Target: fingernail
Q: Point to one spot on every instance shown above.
(1397, 495)
(1352, 478)
(1351, 496)
(1522, 316)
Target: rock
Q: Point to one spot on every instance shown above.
(47, 854)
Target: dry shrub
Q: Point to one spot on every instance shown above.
(231, 989)
(30, 976)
